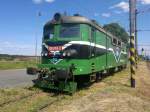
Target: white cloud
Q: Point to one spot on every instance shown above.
(122, 5)
(106, 15)
(41, 1)
(145, 2)
(117, 12)
(37, 1)
(49, 1)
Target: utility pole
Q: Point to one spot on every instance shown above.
(38, 15)
(136, 46)
(136, 41)
(132, 6)
(36, 57)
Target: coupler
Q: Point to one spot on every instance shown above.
(54, 79)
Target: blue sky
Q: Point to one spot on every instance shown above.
(20, 24)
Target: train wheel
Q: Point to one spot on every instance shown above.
(93, 77)
(98, 77)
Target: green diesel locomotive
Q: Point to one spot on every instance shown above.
(77, 50)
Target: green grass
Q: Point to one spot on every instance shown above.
(4, 65)
(112, 94)
(9, 94)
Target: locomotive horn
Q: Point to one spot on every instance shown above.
(57, 16)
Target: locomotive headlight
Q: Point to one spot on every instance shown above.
(57, 16)
(68, 54)
(46, 54)
(64, 54)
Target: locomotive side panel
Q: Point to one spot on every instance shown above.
(101, 51)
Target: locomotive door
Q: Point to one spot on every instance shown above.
(92, 41)
(101, 51)
(107, 53)
(93, 49)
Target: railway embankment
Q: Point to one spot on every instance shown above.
(111, 94)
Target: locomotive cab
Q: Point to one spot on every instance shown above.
(57, 38)
(65, 41)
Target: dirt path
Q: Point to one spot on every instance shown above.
(114, 95)
(15, 78)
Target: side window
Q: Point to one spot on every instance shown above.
(119, 43)
(48, 32)
(93, 34)
(70, 30)
(114, 41)
(107, 41)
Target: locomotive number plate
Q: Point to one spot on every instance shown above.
(55, 48)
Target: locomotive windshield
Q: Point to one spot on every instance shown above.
(49, 32)
(69, 30)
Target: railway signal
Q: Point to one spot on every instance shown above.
(143, 52)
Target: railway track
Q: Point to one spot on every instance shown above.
(18, 99)
(55, 100)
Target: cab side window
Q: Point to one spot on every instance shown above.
(93, 31)
(119, 43)
(114, 41)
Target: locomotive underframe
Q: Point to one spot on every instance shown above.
(60, 79)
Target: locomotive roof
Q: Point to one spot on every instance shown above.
(81, 19)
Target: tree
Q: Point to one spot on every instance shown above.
(116, 30)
